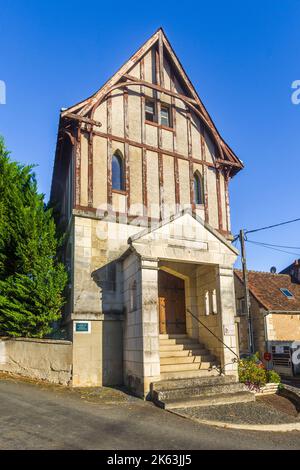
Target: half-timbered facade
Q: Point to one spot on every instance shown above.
(140, 183)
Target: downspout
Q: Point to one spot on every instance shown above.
(266, 331)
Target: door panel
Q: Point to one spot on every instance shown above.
(171, 295)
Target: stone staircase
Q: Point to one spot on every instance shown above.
(188, 378)
(183, 357)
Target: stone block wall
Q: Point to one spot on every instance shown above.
(209, 310)
(133, 326)
(98, 355)
(42, 359)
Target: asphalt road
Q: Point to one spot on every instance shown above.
(34, 417)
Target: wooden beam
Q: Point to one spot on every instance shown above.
(76, 117)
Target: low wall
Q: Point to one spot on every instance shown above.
(42, 359)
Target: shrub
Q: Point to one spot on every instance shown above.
(273, 377)
(251, 373)
(32, 278)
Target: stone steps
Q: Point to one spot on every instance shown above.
(172, 341)
(190, 378)
(184, 367)
(180, 347)
(184, 374)
(213, 400)
(185, 359)
(184, 353)
(199, 391)
(173, 336)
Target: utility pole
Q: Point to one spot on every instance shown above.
(246, 291)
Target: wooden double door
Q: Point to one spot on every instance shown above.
(171, 297)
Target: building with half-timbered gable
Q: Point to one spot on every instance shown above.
(141, 184)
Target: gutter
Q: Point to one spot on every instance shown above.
(287, 312)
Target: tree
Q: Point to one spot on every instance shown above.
(32, 280)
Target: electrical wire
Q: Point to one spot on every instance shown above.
(272, 226)
(272, 248)
(276, 246)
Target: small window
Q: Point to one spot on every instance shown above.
(117, 172)
(165, 116)
(133, 298)
(150, 111)
(287, 293)
(242, 307)
(198, 190)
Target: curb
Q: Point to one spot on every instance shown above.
(286, 427)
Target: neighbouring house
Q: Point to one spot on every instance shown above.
(141, 188)
(293, 270)
(275, 316)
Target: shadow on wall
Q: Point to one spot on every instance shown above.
(109, 280)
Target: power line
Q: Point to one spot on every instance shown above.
(272, 248)
(272, 226)
(276, 246)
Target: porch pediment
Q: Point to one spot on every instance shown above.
(184, 237)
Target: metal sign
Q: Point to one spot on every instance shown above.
(267, 356)
(82, 327)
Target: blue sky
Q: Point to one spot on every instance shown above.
(241, 56)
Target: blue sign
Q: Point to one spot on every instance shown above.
(82, 327)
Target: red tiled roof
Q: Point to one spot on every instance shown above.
(265, 287)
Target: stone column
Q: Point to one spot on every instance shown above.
(226, 298)
(150, 322)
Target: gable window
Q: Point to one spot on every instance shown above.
(198, 190)
(287, 293)
(165, 116)
(118, 172)
(150, 111)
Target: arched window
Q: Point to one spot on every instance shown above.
(118, 172)
(198, 190)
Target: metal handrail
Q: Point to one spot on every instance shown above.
(217, 337)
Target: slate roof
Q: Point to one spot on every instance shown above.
(265, 287)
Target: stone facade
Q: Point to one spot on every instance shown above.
(119, 238)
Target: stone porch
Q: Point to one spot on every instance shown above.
(188, 248)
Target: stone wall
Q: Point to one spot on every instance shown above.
(98, 354)
(41, 359)
(258, 322)
(283, 327)
(141, 331)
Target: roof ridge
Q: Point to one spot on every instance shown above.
(262, 272)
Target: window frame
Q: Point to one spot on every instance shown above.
(200, 192)
(118, 155)
(283, 290)
(154, 115)
(168, 108)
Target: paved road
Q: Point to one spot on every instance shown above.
(33, 417)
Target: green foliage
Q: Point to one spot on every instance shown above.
(253, 373)
(32, 280)
(273, 377)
